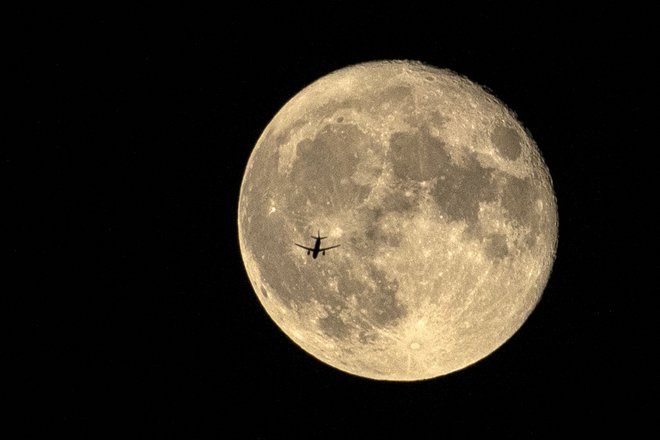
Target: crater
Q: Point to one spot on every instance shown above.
(507, 142)
(263, 292)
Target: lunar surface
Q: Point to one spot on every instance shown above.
(442, 205)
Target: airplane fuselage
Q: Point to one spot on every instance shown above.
(317, 248)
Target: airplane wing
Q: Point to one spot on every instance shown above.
(329, 247)
(304, 247)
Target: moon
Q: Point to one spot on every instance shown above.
(442, 205)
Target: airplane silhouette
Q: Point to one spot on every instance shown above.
(317, 246)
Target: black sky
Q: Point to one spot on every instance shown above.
(143, 122)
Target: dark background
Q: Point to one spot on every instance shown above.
(142, 319)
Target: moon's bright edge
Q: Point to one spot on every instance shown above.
(440, 200)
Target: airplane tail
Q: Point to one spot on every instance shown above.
(318, 235)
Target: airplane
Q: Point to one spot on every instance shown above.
(317, 246)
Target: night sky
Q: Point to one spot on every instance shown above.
(142, 318)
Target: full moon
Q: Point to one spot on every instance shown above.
(441, 204)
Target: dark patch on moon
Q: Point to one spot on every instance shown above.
(333, 326)
(398, 95)
(496, 246)
(366, 337)
(322, 172)
(376, 233)
(349, 286)
(369, 101)
(381, 304)
(519, 199)
(273, 141)
(263, 178)
(263, 292)
(433, 119)
(507, 141)
(372, 228)
(267, 250)
(396, 201)
(531, 241)
(458, 189)
(416, 155)
(393, 202)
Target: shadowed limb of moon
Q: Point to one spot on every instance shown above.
(442, 203)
